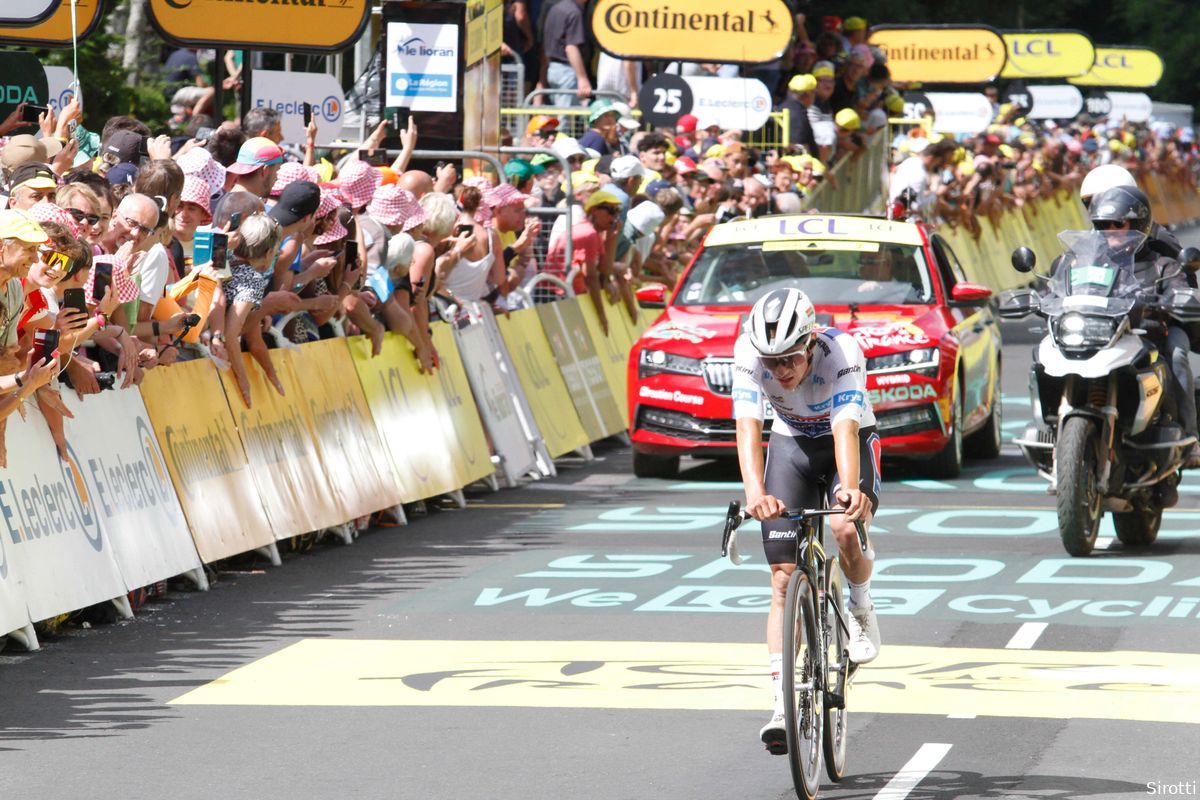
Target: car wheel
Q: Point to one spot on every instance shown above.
(986, 442)
(646, 465)
(948, 463)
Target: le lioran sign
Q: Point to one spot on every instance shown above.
(1133, 67)
(941, 54)
(1048, 54)
(750, 31)
(305, 25)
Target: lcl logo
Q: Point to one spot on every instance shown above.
(1033, 47)
(1114, 61)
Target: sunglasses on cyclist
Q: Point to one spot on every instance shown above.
(81, 215)
(793, 360)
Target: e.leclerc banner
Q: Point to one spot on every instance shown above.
(942, 54)
(1047, 54)
(750, 31)
(311, 25)
(1131, 67)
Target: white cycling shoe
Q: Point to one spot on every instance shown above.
(864, 635)
(774, 735)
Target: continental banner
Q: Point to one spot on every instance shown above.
(749, 31)
(941, 54)
(407, 417)
(567, 333)
(461, 424)
(358, 470)
(55, 30)
(1048, 54)
(282, 451)
(205, 458)
(52, 541)
(325, 26)
(544, 386)
(126, 475)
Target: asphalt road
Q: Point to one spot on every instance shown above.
(580, 637)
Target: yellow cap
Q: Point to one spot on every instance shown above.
(601, 198)
(966, 168)
(848, 118)
(822, 72)
(854, 24)
(15, 224)
(589, 166)
(894, 104)
(580, 178)
(1007, 151)
(802, 83)
(715, 151)
(818, 168)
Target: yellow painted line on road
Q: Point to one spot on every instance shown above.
(516, 505)
(1124, 685)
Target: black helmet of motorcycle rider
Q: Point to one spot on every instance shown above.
(1118, 204)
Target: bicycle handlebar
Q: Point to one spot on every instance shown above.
(735, 517)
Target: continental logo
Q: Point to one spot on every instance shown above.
(942, 54)
(747, 31)
(37, 506)
(202, 456)
(277, 441)
(181, 4)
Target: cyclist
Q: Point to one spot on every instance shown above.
(824, 432)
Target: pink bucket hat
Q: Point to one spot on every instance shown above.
(197, 192)
(200, 162)
(291, 172)
(45, 211)
(358, 182)
(392, 205)
(329, 202)
(504, 195)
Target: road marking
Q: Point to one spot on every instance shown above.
(605, 479)
(1026, 635)
(706, 676)
(1103, 542)
(912, 773)
(927, 484)
(516, 505)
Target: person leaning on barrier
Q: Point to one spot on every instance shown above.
(517, 231)
(479, 273)
(433, 253)
(392, 215)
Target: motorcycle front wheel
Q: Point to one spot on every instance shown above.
(1079, 510)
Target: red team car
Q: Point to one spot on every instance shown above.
(931, 341)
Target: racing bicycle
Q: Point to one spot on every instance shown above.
(817, 670)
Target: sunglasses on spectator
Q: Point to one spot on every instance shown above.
(791, 360)
(80, 215)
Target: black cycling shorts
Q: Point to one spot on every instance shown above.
(796, 466)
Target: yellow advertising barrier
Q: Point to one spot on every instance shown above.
(461, 424)
(612, 353)
(359, 471)
(282, 450)
(580, 366)
(204, 455)
(544, 386)
(405, 408)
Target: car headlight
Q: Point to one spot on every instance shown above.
(1084, 330)
(656, 362)
(925, 360)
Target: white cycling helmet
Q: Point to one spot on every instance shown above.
(781, 321)
(1105, 177)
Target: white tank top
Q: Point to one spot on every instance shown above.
(468, 279)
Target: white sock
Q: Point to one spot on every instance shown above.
(860, 594)
(777, 680)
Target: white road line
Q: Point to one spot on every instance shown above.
(960, 716)
(913, 772)
(1026, 635)
(1103, 542)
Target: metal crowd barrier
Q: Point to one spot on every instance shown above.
(859, 181)
(775, 134)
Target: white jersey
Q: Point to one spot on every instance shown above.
(834, 390)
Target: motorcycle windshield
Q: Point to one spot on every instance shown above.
(1098, 265)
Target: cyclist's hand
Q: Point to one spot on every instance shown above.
(765, 507)
(855, 502)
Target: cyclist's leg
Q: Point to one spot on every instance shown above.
(789, 477)
(864, 628)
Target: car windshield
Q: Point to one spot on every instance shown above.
(830, 273)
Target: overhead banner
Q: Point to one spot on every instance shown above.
(742, 104)
(356, 463)
(422, 66)
(24, 81)
(54, 541)
(24, 13)
(942, 54)
(55, 30)
(1054, 102)
(324, 26)
(749, 31)
(1132, 67)
(126, 472)
(953, 112)
(205, 458)
(1131, 106)
(1048, 54)
(287, 92)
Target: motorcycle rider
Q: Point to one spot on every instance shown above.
(1109, 176)
(1124, 208)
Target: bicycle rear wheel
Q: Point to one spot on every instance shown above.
(837, 672)
(801, 686)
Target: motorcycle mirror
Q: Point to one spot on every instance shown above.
(1023, 259)
(1190, 258)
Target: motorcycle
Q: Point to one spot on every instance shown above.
(1106, 431)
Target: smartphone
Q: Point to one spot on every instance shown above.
(75, 299)
(351, 255)
(30, 112)
(459, 230)
(101, 280)
(235, 220)
(399, 119)
(45, 342)
(307, 111)
(220, 247)
(144, 147)
(204, 134)
(378, 159)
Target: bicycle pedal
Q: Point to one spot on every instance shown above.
(776, 747)
(835, 700)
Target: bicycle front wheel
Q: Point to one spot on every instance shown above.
(802, 685)
(837, 673)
